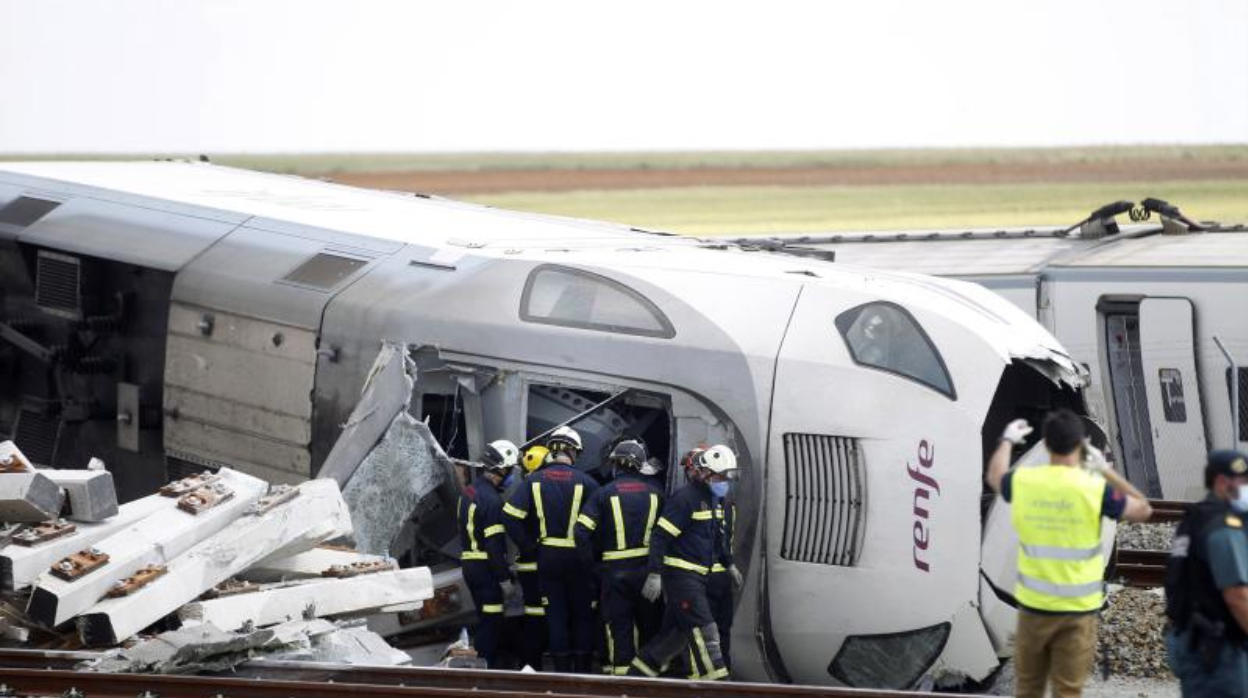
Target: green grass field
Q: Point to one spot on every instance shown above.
(762, 210)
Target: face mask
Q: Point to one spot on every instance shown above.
(719, 489)
(1240, 501)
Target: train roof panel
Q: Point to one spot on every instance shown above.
(1226, 249)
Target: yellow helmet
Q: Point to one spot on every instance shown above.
(535, 457)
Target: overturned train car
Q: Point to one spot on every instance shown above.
(172, 316)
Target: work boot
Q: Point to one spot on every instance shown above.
(581, 663)
(562, 662)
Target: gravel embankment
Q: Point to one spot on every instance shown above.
(1145, 536)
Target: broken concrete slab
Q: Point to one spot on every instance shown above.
(198, 648)
(313, 599)
(21, 566)
(387, 391)
(154, 540)
(91, 494)
(451, 605)
(317, 513)
(305, 565)
(354, 645)
(29, 497)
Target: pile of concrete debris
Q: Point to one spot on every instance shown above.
(240, 565)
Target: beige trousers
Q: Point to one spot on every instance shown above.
(1055, 649)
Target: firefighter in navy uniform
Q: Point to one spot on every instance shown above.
(615, 527)
(682, 551)
(1207, 585)
(483, 543)
(542, 516)
(534, 626)
(725, 578)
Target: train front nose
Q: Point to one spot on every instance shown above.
(873, 506)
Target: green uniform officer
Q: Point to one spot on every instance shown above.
(1207, 585)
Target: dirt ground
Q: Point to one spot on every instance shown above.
(451, 183)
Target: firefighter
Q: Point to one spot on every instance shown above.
(541, 519)
(615, 528)
(725, 579)
(682, 551)
(484, 543)
(534, 625)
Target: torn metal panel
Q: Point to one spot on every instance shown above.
(406, 468)
(313, 599)
(154, 540)
(29, 497)
(387, 392)
(305, 565)
(20, 566)
(319, 512)
(91, 493)
(357, 646)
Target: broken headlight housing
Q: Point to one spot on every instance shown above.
(891, 660)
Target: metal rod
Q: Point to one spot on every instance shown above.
(605, 403)
(1230, 360)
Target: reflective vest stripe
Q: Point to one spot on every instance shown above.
(625, 554)
(514, 511)
(587, 522)
(537, 504)
(669, 526)
(718, 568)
(703, 515)
(526, 566)
(610, 647)
(1068, 591)
(684, 564)
(494, 530)
(576, 510)
(559, 542)
(472, 535)
(534, 611)
(492, 608)
(644, 668)
(620, 542)
(654, 511)
(471, 555)
(702, 650)
(1053, 552)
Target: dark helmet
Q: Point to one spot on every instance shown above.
(630, 454)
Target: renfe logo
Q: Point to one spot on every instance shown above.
(925, 485)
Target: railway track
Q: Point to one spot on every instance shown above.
(1141, 568)
(1166, 511)
(40, 673)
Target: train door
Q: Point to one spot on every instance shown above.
(1129, 396)
(1172, 389)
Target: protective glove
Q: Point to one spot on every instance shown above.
(1093, 458)
(1016, 431)
(738, 580)
(652, 588)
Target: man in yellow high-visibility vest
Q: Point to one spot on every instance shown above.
(1056, 510)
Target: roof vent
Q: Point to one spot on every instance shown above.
(324, 271)
(20, 213)
(58, 285)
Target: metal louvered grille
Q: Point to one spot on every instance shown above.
(825, 498)
(36, 434)
(58, 284)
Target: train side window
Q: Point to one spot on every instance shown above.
(1172, 402)
(568, 297)
(885, 336)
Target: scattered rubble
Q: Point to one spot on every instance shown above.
(1145, 536)
(1131, 641)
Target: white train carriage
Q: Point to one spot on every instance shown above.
(1143, 310)
(171, 315)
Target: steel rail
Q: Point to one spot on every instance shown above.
(274, 678)
(1166, 511)
(1141, 568)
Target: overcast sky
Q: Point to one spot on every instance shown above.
(249, 75)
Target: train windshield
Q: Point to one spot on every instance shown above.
(886, 337)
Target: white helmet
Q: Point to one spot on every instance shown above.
(500, 455)
(718, 459)
(563, 438)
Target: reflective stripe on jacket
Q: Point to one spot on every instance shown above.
(1056, 511)
(685, 535)
(554, 496)
(619, 518)
(480, 519)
